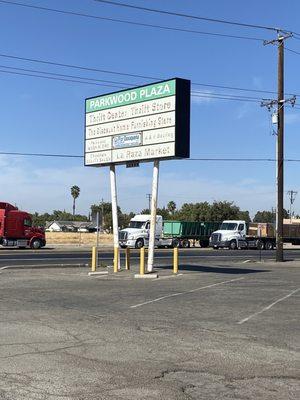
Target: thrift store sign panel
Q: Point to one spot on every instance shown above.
(140, 124)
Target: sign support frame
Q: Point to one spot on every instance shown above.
(114, 209)
(153, 216)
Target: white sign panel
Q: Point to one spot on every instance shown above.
(144, 123)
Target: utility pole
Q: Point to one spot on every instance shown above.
(280, 140)
(292, 195)
(280, 151)
(148, 195)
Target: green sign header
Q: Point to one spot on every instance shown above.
(127, 97)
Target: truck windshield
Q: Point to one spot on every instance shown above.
(136, 224)
(228, 226)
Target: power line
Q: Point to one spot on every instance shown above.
(220, 96)
(292, 51)
(241, 159)
(55, 78)
(221, 21)
(225, 98)
(66, 75)
(229, 95)
(235, 88)
(196, 94)
(35, 60)
(120, 84)
(73, 13)
(246, 159)
(47, 62)
(39, 154)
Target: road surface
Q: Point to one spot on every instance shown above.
(83, 256)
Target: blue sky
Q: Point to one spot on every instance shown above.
(47, 116)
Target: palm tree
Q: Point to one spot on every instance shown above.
(75, 191)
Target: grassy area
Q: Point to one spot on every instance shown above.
(77, 238)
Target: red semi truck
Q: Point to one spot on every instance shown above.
(16, 228)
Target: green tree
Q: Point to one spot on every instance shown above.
(221, 210)
(171, 207)
(105, 214)
(194, 212)
(244, 215)
(57, 215)
(75, 191)
(146, 211)
(268, 216)
(159, 211)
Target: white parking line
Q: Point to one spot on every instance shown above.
(189, 291)
(268, 307)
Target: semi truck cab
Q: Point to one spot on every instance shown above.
(232, 234)
(137, 233)
(16, 228)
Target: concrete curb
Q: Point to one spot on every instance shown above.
(146, 276)
(98, 273)
(44, 266)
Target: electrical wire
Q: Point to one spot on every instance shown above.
(292, 51)
(118, 73)
(221, 21)
(218, 96)
(246, 159)
(55, 78)
(235, 88)
(130, 22)
(120, 84)
(196, 94)
(66, 76)
(35, 60)
(227, 95)
(39, 154)
(225, 98)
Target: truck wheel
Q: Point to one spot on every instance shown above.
(186, 243)
(269, 246)
(203, 243)
(233, 245)
(139, 243)
(36, 244)
(260, 244)
(175, 243)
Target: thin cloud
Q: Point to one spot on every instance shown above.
(46, 189)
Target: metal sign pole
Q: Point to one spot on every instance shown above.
(97, 239)
(153, 216)
(114, 206)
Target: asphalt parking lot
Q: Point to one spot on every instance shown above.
(215, 331)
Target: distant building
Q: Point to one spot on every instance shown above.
(291, 221)
(70, 226)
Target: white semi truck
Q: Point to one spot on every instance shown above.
(235, 234)
(169, 233)
(137, 233)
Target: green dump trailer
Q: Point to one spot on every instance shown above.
(185, 233)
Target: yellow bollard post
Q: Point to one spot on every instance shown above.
(94, 259)
(116, 259)
(175, 260)
(127, 261)
(142, 261)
